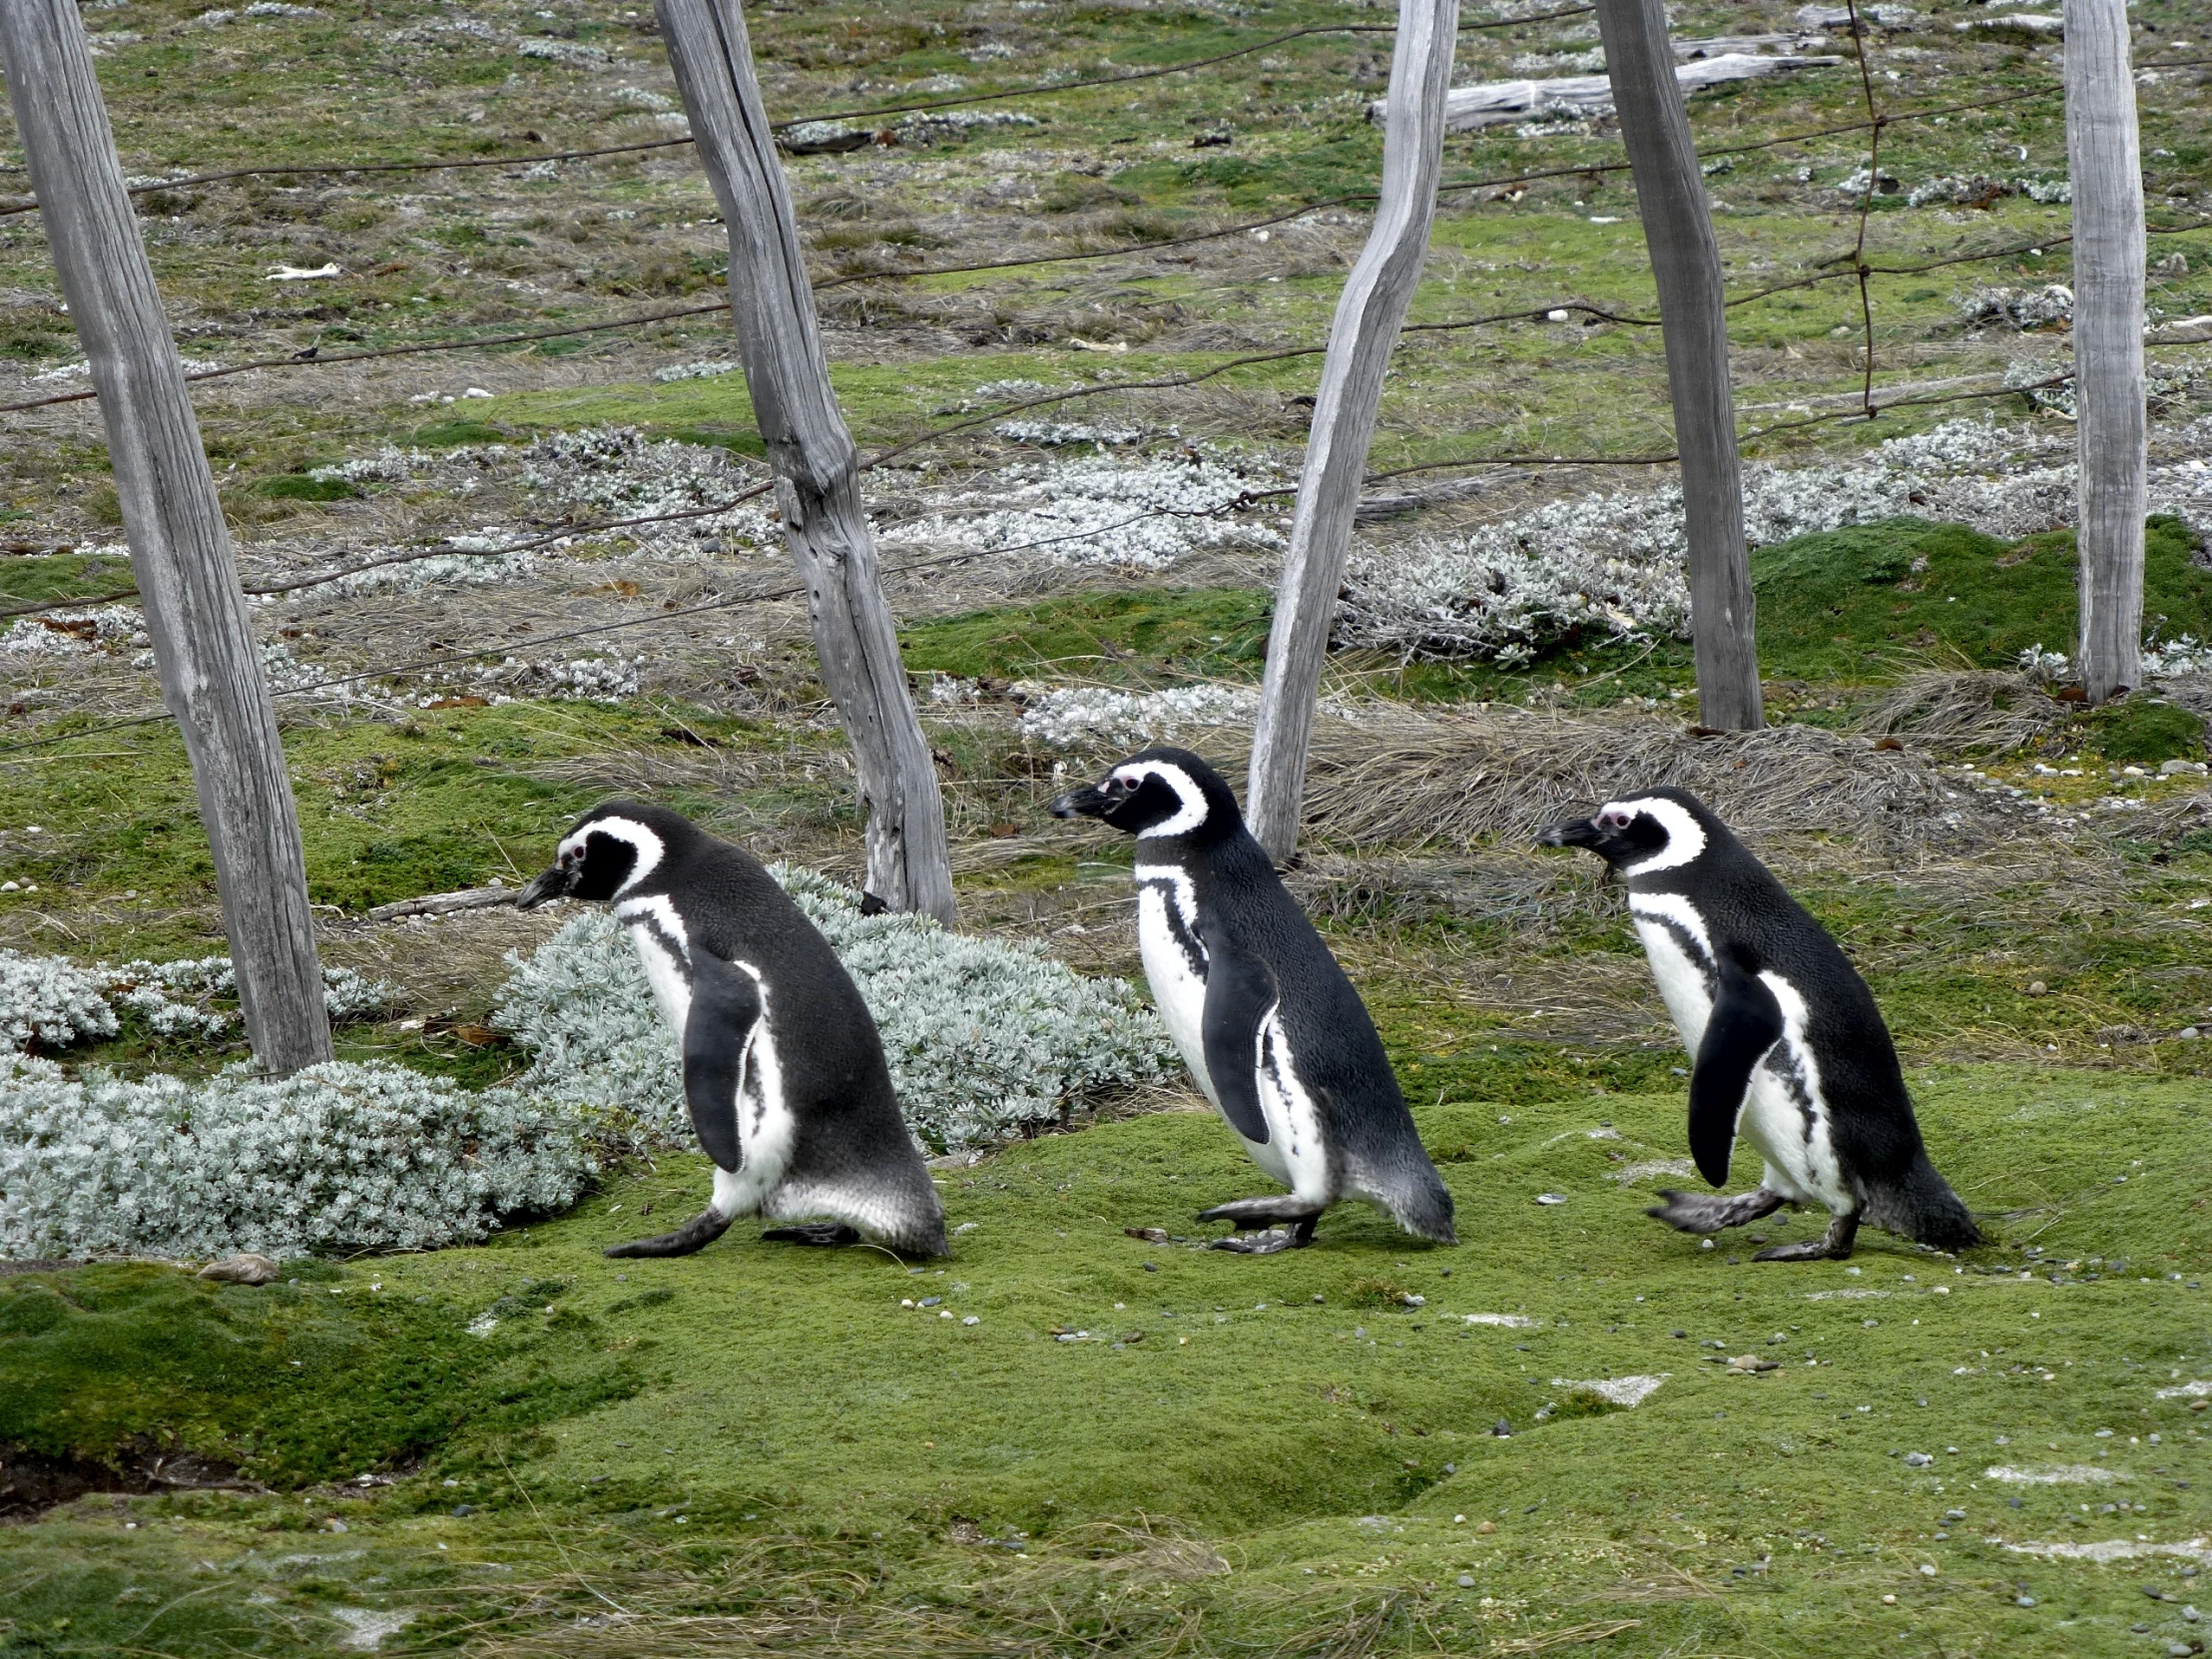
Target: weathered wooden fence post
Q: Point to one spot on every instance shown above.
(1369, 316)
(204, 647)
(812, 453)
(2104, 161)
(1686, 261)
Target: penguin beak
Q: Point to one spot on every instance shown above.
(554, 883)
(1580, 832)
(1087, 802)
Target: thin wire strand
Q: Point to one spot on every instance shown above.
(1038, 89)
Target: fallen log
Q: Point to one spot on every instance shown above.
(1493, 103)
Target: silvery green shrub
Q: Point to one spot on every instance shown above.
(57, 1002)
(1611, 564)
(339, 1156)
(984, 1038)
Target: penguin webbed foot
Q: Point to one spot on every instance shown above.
(1282, 1222)
(1709, 1213)
(1833, 1246)
(1297, 1236)
(695, 1235)
(1275, 1211)
(828, 1235)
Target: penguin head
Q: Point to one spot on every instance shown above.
(610, 851)
(1160, 793)
(1641, 834)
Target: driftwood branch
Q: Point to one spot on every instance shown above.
(1369, 315)
(181, 557)
(1494, 103)
(1686, 263)
(809, 449)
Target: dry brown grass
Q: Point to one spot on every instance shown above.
(1502, 774)
(1973, 709)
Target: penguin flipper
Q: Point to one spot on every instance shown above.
(718, 1042)
(1239, 993)
(1745, 1023)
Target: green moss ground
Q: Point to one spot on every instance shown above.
(761, 1432)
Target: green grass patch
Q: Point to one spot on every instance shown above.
(1852, 604)
(1134, 634)
(448, 799)
(311, 1379)
(36, 578)
(1293, 1416)
(298, 486)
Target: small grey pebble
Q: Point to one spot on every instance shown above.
(464, 1509)
(1152, 1266)
(1503, 1429)
(2179, 1650)
(1466, 1581)
(2023, 1601)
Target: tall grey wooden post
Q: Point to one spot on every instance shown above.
(2104, 161)
(204, 648)
(811, 454)
(1686, 261)
(1369, 315)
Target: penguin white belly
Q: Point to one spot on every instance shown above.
(1676, 964)
(1295, 1153)
(657, 935)
(765, 1129)
(1166, 917)
(1785, 1116)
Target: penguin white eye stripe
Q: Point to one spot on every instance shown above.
(1189, 815)
(641, 840)
(1685, 836)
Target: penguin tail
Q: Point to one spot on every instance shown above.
(920, 1239)
(1423, 1208)
(1923, 1207)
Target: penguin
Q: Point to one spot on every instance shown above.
(1791, 1051)
(1269, 1026)
(784, 1071)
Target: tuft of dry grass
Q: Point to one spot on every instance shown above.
(1503, 773)
(1959, 711)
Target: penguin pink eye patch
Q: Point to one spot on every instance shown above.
(1616, 819)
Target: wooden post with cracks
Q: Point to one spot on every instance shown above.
(2104, 162)
(1686, 261)
(180, 556)
(811, 454)
(1369, 315)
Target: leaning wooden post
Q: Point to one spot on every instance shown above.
(2104, 162)
(204, 647)
(1369, 316)
(811, 454)
(1686, 259)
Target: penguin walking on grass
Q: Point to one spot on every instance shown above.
(1267, 1021)
(784, 1071)
(1790, 1050)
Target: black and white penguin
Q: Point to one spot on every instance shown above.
(1267, 1021)
(1790, 1050)
(784, 1071)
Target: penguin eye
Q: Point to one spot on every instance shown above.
(1619, 821)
